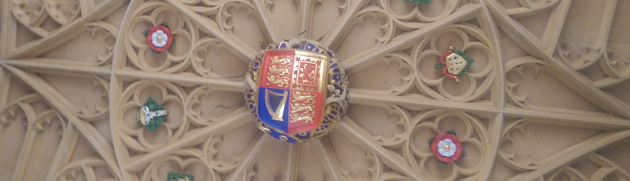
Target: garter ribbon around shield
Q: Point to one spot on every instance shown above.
(289, 90)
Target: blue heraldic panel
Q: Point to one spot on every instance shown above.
(263, 111)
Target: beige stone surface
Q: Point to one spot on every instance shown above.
(547, 97)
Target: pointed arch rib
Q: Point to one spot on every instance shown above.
(105, 150)
(330, 38)
(235, 120)
(52, 67)
(495, 138)
(571, 154)
(364, 58)
(497, 99)
(550, 38)
(324, 151)
(590, 120)
(64, 33)
(305, 17)
(357, 97)
(265, 18)
(583, 86)
(290, 169)
(393, 160)
(244, 52)
(70, 138)
(236, 86)
(250, 158)
(5, 81)
(571, 77)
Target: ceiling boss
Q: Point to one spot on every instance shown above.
(296, 90)
(454, 63)
(159, 38)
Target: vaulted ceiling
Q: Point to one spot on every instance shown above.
(546, 98)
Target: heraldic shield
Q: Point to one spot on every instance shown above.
(288, 90)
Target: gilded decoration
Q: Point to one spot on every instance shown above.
(296, 90)
(545, 99)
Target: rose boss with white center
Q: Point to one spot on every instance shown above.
(446, 147)
(159, 38)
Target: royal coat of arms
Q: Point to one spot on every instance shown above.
(296, 93)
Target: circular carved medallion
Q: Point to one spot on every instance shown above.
(296, 90)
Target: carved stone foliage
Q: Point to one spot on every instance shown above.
(594, 167)
(545, 98)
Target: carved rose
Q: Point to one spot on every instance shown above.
(446, 147)
(159, 38)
